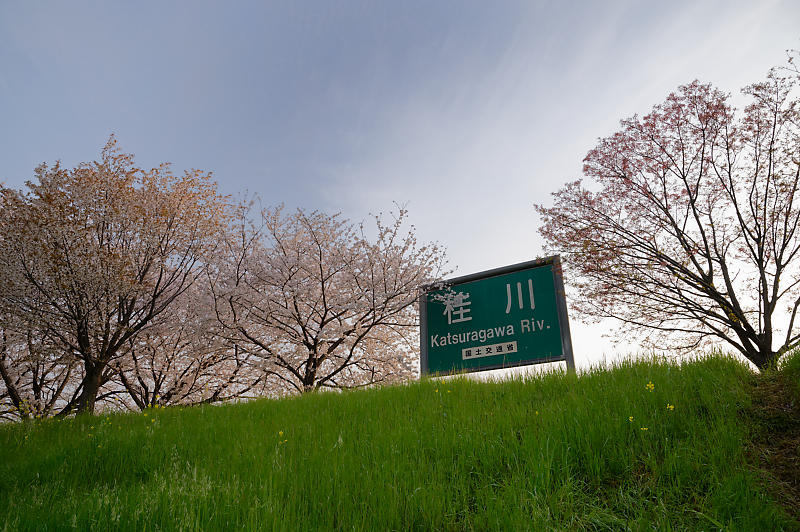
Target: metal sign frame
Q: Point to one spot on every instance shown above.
(561, 308)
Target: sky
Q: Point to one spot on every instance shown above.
(467, 113)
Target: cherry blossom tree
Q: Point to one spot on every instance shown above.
(34, 377)
(94, 254)
(182, 359)
(320, 303)
(688, 224)
(34, 374)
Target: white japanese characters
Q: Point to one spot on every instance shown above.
(455, 306)
(519, 296)
(457, 309)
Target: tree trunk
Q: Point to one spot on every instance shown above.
(13, 393)
(763, 357)
(91, 386)
(310, 376)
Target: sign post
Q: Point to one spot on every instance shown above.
(501, 318)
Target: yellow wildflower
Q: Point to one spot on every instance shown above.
(670, 407)
(630, 418)
(642, 428)
(650, 386)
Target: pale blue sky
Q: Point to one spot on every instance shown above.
(468, 111)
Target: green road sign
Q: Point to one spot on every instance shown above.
(500, 318)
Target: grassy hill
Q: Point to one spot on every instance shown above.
(644, 445)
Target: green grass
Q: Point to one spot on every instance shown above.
(552, 452)
(790, 370)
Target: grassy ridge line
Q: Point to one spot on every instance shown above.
(552, 452)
